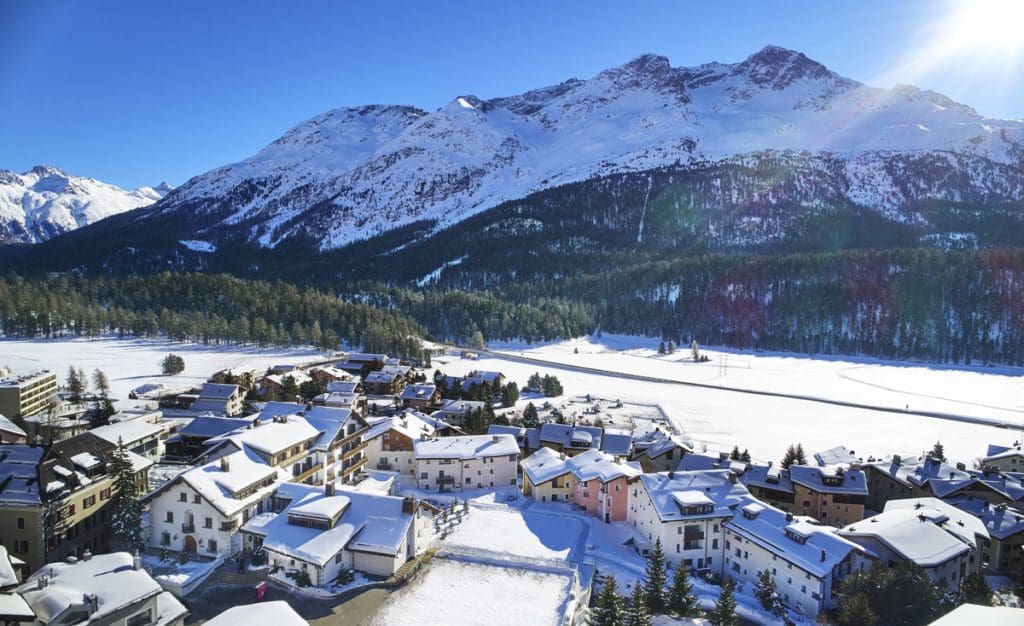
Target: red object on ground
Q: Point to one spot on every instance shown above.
(261, 591)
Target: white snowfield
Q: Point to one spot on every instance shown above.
(767, 425)
(45, 201)
(129, 363)
(387, 166)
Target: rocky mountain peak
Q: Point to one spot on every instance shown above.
(776, 68)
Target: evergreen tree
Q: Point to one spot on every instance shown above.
(103, 407)
(900, 596)
(735, 454)
(172, 365)
(75, 385)
(975, 590)
(608, 610)
(856, 611)
(767, 594)
(535, 383)
(551, 386)
(789, 457)
(637, 613)
(99, 380)
(661, 348)
(725, 607)
(655, 579)
(289, 389)
(681, 601)
(477, 341)
(530, 417)
(801, 456)
(745, 456)
(510, 394)
(125, 510)
(671, 347)
(938, 452)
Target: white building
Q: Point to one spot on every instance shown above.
(219, 398)
(138, 436)
(389, 441)
(938, 537)
(277, 613)
(323, 531)
(201, 510)
(101, 589)
(472, 462)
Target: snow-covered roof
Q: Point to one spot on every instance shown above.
(1008, 485)
(829, 479)
(381, 377)
(110, 577)
(694, 462)
(942, 478)
(460, 407)
(568, 436)
(408, 424)
(276, 613)
(717, 485)
(975, 614)
(401, 370)
(86, 460)
(659, 445)
(957, 521)
(218, 391)
(328, 507)
(597, 465)
(276, 437)
(297, 376)
(371, 523)
(617, 442)
(333, 372)
(418, 391)
(812, 548)
(768, 477)
(691, 497)
(836, 456)
(342, 386)
(8, 426)
(468, 447)
(19, 481)
(366, 357)
(274, 409)
(128, 431)
(917, 536)
(204, 426)
(1000, 520)
(543, 465)
(8, 578)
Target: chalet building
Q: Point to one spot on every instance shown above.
(389, 441)
(839, 455)
(221, 399)
(322, 531)
(284, 368)
(470, 462)
(360, 364)
(27, 395)
(571, 440)
(190, 442)
(340, 449)
(659, 452)
(1003, 553)
(286, 442)
(528, 439)
(201, 510)
(830, 494)
(913, 478)
(100, 589)
(1004, 458)
(323, 374)
(407, 373)
(275, 383)
(11, 432)
(351, 401)
(384, 383)
(422, 397)
(938, 537)
(345, 386)
(53, 503)
(244, 377)
(596, 482)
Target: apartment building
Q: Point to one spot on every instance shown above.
(26, 395)
(472, 462)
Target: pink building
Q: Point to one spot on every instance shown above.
(599, 482)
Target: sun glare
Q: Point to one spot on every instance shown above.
(986, 26)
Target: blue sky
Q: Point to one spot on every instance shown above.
(139, 92)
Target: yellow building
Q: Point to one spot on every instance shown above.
(547, 477)
(27, 395)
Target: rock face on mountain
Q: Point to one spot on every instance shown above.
(753, 150)
(45, 202)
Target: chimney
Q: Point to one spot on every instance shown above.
(329, 488)
(671, 474)
(789, 516)
(87, 555)
(284, 419)
(494, 439)
(41, 582)
(961, 466)
(823, 555)
(225, 464)
(732, 478)
(408, 506)
(136, 561)
(896, 459)
(94, 603)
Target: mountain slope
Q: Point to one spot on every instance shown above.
(45, 202)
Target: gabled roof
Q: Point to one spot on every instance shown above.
(543, 465)
(342, 386)
(715, 484)
(693, 462)
(567, 435)
(275, 613)
(597, 465)
(8, 426)
(819, 479)
(381, 377)
(218, 391)
(19, 477)
(917, 536)
(408, 424)
(204, 426)
(1001, 521)
(617, 442)
(956, 521)
(128, 431)
(218, 486)
(836, 456)
(460, 407)
(768, 477)
(419, 392)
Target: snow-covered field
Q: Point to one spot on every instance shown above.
(469, 594)
(129, 363)
(515, 532)
(719, 419)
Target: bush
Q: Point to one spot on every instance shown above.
(172, 365)
(300, 577)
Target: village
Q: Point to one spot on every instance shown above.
(384, 490)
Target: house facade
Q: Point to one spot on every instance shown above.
(471, 462)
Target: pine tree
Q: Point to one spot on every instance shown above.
(745, 456)
(725, 608)
(661, 348)
(637, 613)
(801, 457)
(530, 418)
(856, 611)
(103, 408)
(75, 385)
(289, 389)
(681, 600)
(767, 594)
(938, 452)
(125, 511)
(671, 349)
(789, 457)
(975, 590)
(735, 454)
(172, 365)
(608, 610)
(477, 341)
(655, 579)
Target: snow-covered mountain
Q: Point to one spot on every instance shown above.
(356, 172)
(45, 202)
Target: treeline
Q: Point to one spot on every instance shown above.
(200, 308)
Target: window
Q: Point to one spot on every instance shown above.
(21, 546)
(208, 522)
(469, 480)
(105, 494)
(196, 499)
(21, 523)
(141, 618)
(89, 501)
(182, 497)
(423, 475)
(71, 509)
(211, 546)
(170, 517)
(165, 538)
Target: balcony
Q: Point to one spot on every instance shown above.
(383, 465)
(228, 526)
(446, 480)
(351, 450)
(351, 466)
(188, 527)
